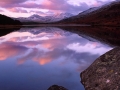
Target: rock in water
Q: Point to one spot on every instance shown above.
(104, 73)
(56, 87)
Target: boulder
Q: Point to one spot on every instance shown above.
(104, 73)
(56, 87)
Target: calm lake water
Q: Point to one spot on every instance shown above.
(36, 58)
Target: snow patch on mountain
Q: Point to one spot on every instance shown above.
(45, 19)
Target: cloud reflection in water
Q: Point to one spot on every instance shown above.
(36, 58)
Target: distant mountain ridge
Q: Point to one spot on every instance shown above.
(46, 19)
(108, 14)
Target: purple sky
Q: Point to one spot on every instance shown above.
(25, 8)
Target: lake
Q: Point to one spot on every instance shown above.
(36, 58)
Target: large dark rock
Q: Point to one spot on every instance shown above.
(104, 73)
(56, 87)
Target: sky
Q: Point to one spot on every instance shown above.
(25, 8)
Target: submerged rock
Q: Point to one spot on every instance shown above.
(56, 87)
(104, 73)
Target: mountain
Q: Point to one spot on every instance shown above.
(4, 20)
(108, 14)
(61, 16)
(57, 17)
(46, 19)
(35, 18)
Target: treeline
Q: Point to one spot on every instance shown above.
(4, 20)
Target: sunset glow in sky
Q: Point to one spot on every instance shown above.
(25, 8)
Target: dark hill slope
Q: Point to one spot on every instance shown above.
(106, 15)
(4, 20)
(8, 25)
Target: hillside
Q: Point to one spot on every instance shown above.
(4, 20)
(108, 14)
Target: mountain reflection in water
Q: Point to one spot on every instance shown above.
(36, 58)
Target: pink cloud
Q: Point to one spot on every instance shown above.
(1, 10)
(44, 60)
(12, 1)
(17, 10)
(7, 51)
(55, 6)
(40, 56)
(37, 56)
(29, 56)
(14, 39)
(96, 4)
(51, 5)
(29, 5)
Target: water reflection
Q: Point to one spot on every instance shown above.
(36, 58)
(7, 29)
(105, 34)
